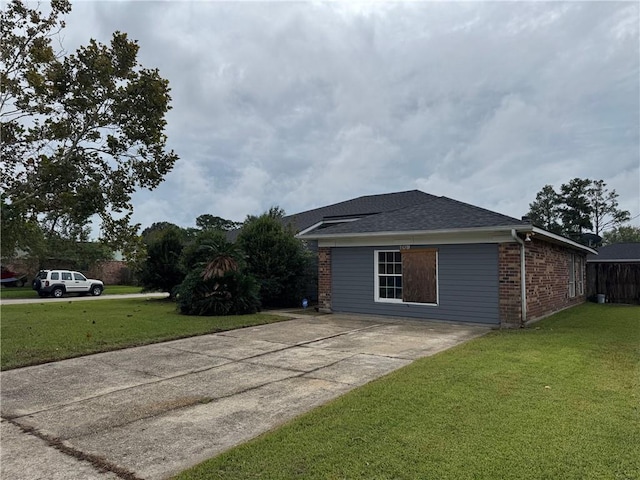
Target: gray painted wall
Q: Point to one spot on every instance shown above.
(467, 284)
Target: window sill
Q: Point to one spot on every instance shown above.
(400, 302)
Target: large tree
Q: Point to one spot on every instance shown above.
(80, 132)
(545, 210)
(581, 206)
(604, 207)
(576, 210)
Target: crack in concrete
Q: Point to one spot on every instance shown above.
(99, 463)
(162, 379)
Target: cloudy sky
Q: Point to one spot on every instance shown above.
(306, 104)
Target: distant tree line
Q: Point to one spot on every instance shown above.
(580, 206)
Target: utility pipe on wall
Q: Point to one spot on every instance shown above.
(523, 282)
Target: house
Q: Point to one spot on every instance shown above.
(615, 273)
(411, 254)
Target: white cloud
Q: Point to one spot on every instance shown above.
(305, 104)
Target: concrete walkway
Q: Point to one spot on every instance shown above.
(74, 298)
(150, 412)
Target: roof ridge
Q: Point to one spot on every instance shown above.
(378, 195)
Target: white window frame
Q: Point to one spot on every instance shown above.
(572, 276)
(377, 274)
(580, 277)
(376, 287)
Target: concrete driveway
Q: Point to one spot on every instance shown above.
(150, 412)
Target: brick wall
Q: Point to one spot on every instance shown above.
(111, 272)
(324, 279)
(548, 278)
(509, 291)
(547, 281)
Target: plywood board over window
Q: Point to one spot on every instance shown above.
(419, 275)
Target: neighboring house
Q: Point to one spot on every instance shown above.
(615, 273)
(411, 254)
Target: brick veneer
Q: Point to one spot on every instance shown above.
(324, 279)
(509, 293)
(547, 281)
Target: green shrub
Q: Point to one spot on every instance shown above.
(278, 260)
(161, 269)
(234, 293)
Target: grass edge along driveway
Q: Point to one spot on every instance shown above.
(49, 331)
(557, 400)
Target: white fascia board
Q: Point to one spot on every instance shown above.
(308, 229)
(462, 235)
(419, 238)
(319, 224)
(321, 236)
(564, 240)
(620, 260)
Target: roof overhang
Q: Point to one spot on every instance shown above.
(500, 234)
(613, 260)
(560, 240)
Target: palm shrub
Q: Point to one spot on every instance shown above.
(217, 283)
(234, 293)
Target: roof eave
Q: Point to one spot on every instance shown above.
(396, 233)
(563, 240)
(495, 229)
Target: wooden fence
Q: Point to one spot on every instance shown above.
(619, 282)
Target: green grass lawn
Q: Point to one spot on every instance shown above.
(8, 293)
(559, 400)
(46, 331)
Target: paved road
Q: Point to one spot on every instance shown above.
(152, 411)
(73, 298)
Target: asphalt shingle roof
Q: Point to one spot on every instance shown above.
(358, 207)
(617, 251)
(402, 212)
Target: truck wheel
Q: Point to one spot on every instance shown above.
(96, 290)
(57, 292)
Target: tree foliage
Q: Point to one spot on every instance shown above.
(622, 234)
(80, 132)
(217, 282)
(161, 269)
(279, 261)
(211, 222)
(604, 207)
(545, 210)
(581, 206)
(576, 210)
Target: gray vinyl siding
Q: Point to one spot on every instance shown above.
(467, 284)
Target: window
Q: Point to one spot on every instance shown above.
(572, 278)
(389, 275)
(580, 274)
(79, 276)
(66, 275)
(406, 276)
(55, 276)
(576, 275)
